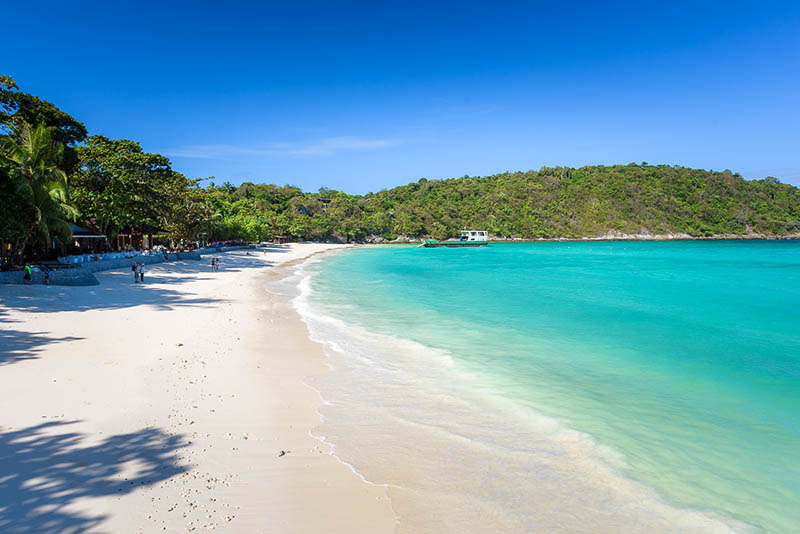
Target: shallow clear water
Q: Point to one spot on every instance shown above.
(677, 362)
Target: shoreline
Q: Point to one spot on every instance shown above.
(569, 479)
(619, 237)
(657, 237)
(176, 405)
(406, 240)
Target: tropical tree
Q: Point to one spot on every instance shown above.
(121, 186)
(188, 214)
(15, 210)
(17, 108)
(33, 160)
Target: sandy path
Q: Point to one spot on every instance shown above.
(164, 407)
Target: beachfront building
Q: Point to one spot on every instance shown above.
(142, 239)
(85, 238)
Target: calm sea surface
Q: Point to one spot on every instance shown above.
(647, 383)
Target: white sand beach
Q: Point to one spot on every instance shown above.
(165, 407)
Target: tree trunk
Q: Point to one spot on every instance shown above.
(21, 252)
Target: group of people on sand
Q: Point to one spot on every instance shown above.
(215, 264)
(138, 272)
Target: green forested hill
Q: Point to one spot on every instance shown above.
(551, 202)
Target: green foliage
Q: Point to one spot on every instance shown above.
(15, 207)
(121, 186)
(549, 203)
(18, 108)
(33, 178)
(34, 199)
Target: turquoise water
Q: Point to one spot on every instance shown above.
(683, 358)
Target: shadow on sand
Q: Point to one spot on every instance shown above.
(18, 345)
(101, 297)
(46, 468)
(160, 291)
(153, 292)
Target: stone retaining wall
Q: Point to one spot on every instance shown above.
(61, 277)
(211, 250)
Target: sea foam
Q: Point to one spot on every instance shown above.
(457, 457)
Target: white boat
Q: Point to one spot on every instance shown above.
(469, 238)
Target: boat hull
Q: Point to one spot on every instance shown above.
(455, 244)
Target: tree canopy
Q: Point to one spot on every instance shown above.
(122, 187)
(17, 108)
(34, 180)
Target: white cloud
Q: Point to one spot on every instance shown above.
(324, 147)
(209, 151)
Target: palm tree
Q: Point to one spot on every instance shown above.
(35, 158)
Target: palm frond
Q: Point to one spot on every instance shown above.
(35, 159)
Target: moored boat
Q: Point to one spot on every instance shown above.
(469, 238)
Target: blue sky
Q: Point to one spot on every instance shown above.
(365, 96)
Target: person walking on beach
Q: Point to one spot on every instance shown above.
(135, 269)
(141, 272)
(46, 274)
(28, 272)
